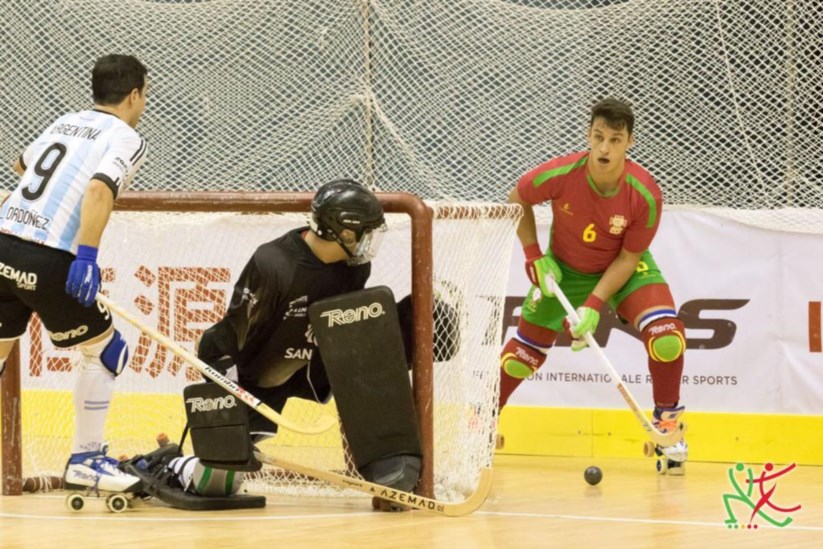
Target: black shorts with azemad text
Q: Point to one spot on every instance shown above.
(33, 279)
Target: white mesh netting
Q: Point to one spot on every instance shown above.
(175, 272)
(448, 100)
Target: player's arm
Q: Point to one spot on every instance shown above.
(83, 280)
(98, 202)
(527, 227)
(113, 174)
(538, 266)
(221, 345)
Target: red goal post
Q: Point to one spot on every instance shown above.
(420, 219)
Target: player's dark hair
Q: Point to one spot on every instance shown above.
(617, 114)
(115, 76)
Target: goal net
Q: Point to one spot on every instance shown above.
(447, 100)
(175, 270)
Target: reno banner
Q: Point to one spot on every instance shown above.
(751, 302)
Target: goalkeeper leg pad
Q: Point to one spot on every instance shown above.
(219, 424)
(359, 338)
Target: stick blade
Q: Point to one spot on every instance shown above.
(449, 509)
(476, 500)
(670, 438)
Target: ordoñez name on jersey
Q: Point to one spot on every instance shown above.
(27, 218)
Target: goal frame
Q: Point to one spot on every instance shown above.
(269, 202)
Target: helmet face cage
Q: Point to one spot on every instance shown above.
(366, 248)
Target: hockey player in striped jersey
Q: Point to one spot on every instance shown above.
(605, 213)
(50, 231)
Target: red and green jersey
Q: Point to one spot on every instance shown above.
(589, 229)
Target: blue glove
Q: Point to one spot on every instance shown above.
(84, 276)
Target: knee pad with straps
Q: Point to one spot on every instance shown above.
(664, 339)
(520, 360)
(112, 353)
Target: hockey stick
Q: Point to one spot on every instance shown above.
(320, 426)
(444, 508)
(661, 439)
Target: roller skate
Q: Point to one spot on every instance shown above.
(95, 474)
(671, 460)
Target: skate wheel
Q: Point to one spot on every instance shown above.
(662, 465)
(117, 503)
(75, 502)
(648, 448)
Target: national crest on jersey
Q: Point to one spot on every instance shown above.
(76, 148)
(617, 224)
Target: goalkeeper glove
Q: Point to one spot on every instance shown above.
(539, 266)
(589, 314)
(83, 281)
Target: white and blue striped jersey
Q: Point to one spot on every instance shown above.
(76, 148)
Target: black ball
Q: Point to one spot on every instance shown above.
(593, 475)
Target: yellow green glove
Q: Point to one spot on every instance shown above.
(589, 314)
(539, 266)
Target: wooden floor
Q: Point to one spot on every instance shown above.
(535, 502)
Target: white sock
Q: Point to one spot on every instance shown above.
(184, 468)
(92, 395)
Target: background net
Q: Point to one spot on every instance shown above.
(448, 100)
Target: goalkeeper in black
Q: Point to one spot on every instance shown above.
(265, 341)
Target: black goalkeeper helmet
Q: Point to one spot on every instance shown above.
(346, 204)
